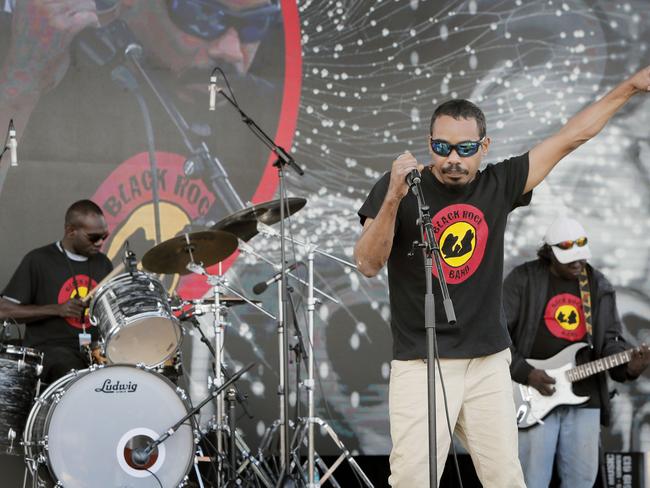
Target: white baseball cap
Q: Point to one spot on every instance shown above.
(565, 229)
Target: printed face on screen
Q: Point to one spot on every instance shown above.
(191, 37)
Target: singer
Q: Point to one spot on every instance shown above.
(46, 290)
(469, 209)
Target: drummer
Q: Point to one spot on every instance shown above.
(46, 292)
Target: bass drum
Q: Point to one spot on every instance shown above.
(82, 429)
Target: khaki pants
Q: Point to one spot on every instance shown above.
(481, 414)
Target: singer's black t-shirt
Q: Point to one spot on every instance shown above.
(44, 277)
(469, 225)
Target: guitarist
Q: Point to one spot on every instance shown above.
(547, 312)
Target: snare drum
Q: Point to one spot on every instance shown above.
(83, 428)
(20, 368)
(135, 320)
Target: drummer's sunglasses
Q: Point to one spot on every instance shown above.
(208, 19)
(94, 238)
(464, 149)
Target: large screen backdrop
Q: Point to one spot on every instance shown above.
(347, 86)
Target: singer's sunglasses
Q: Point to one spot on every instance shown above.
(565, 245)
(464, 149)
(208, 19)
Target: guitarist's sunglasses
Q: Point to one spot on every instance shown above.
(565, 245)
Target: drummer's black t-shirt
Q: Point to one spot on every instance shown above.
(45, 277)
(469, 225)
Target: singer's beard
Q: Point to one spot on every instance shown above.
(455, 185)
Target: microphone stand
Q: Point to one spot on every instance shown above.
(431, 253)
(124, 76)
(284, 159)
(4, 168)
(219, 180)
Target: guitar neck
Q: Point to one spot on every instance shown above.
(598, 366)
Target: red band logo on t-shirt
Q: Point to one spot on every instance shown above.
(462, 234)
(69, 291)
(564, 317)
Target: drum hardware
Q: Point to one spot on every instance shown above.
(225, 301)
(246, 248)
(231, 401)
(243, 223)
(306, 424)
(239, 397)
(218, 284)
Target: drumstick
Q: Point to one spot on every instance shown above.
(117, 270)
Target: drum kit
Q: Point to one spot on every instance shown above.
(126, 423)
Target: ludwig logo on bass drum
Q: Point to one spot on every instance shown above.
(117, 387)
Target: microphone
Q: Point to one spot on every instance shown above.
(188, 314)
(413, 178)
(141, 455)
(102, 45)
(263, 285)
(13, 144)
(213, 92)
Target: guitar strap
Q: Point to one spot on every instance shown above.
(585, 296)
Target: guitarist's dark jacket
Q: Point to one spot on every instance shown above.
(524, 298)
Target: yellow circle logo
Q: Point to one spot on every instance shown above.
(457, 243)
(568, 317)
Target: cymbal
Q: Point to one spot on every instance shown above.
(227, 300)
(243, 223)
(172, 256)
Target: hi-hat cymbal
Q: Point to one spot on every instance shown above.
(243, 223)
(206, 247)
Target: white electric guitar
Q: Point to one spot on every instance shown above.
(531, 406)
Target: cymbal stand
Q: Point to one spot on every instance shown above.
(219, 285)
(307, 424)
(239, 397)
(237, 443)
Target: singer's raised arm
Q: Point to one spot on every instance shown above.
(582, 127)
